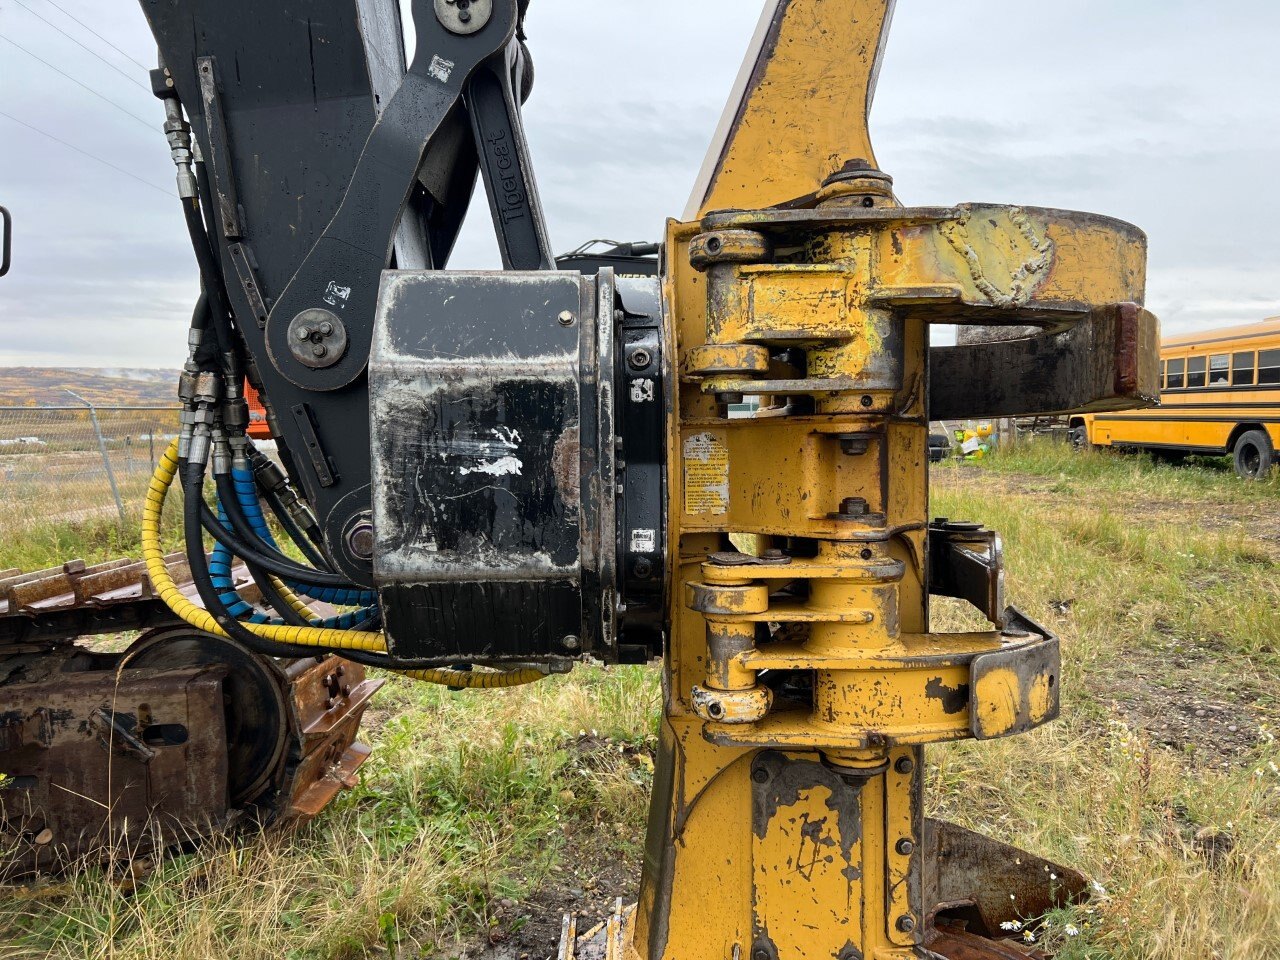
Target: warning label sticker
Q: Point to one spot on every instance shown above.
(706, 474)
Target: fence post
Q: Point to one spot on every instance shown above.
(106, 460)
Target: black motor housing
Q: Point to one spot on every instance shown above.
(518, 439)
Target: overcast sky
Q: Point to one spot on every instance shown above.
(1161, 112)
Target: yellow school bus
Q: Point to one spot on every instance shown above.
(1219, 393)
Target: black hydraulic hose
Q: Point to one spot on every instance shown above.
(309, 547)
(229, 497)
(275, 599)
(249, 554)
(192, 501)
(210, 275)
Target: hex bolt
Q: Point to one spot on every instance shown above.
(904, 765)
(760, 775)
(319, 350)
(326, 328)
(905, 847)
(866, 400)
(760, 953)
(304, 333)
(571, 642)
(906, 924)
(643, 568)
(853, 507)
(773, 553)
(565, 319)
(865, 553)
(639, 359)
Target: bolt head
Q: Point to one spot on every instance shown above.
(905, 847)
(639, 359)
(326, 328)
(319, 350)
(565, 318)
(853, 506)
(360, 540)
(866, 400)
(571, 642)
(760, 775)
(303, 333)
(906, 924)
(904, 765)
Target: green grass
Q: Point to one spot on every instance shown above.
(1161, 583)
(469, 798)
(1159, 611)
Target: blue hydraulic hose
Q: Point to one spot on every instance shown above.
(247, 493)
(220, 574)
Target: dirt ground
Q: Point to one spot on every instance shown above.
(588, 883)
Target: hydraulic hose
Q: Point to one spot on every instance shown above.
(251, 554)
(265, 638)
(250, 509)
(291, 609)
(307, 545)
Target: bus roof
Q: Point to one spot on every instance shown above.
(1268, 327)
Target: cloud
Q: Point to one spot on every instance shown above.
(1157, 112)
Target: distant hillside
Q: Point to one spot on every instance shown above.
(48, 386)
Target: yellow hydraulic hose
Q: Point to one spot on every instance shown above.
(201, 619)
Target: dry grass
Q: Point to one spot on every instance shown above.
(471, 799)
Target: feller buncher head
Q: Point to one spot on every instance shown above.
(719, 457)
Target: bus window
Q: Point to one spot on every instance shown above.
(1195, 371)
(1175, 374)
(1219, 370)
(1269, 366)
(1242, 369)
(1164, 382)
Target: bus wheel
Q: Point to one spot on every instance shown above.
(1253, 454)
(1079, 437)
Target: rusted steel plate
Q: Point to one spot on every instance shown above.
(135, 760)
(954, 943)
(327, 701)
(1109, 362)
(93, 765)
(987, 883)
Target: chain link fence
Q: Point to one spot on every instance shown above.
(78, 463)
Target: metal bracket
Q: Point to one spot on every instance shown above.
(224, 183)
(1015, 690)
(967, 562)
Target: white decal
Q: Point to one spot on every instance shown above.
(502, 467)
(440, 68)
(333, 293)
(644, 541)
(641, 391)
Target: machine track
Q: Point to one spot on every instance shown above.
(114, 751)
